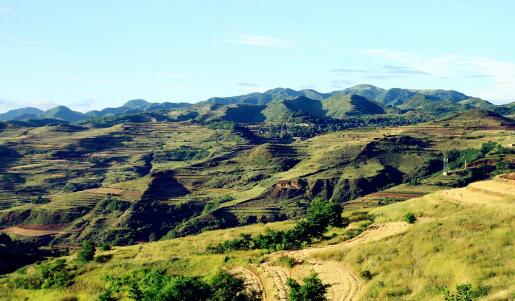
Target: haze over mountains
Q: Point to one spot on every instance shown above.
(278, 104)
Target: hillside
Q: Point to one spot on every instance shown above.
(293, 109)
(63, 113)
(267, 97)
(348, 105)
(460, 236)
(217, 174)
(477, 117)
(22, 113)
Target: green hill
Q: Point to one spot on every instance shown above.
(479, 103)
(340, 106)
(22, 113)
(63, 113)
(267, 97)
(477, 117)
(299, 108)
(424, 104)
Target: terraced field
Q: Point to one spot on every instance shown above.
(228, 176)
(461, 235)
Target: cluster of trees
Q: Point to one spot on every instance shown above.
(320, 216)
(182, 153)
(111, 204)
(158, 285)
(309, 128)
(457, 158)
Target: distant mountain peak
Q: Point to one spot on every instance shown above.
(136, 104)
(63, 113)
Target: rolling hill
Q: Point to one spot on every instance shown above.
(267, 97)
(341, 106)
(292, 109)
(63, 113)
(22, 113)
(408, 104)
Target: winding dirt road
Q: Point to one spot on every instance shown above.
(345, 284)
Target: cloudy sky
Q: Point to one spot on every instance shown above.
(94, 54)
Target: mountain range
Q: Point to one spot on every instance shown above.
(284, 104)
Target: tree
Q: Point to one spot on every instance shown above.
(410, 218)
(54, 274)
(312, 290)
(322, 214)
(86, 252)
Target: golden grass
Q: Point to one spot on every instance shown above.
(460, 237)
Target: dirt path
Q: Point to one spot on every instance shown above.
(373, 233)
(279, 276)
(252, 281)
(345, 285)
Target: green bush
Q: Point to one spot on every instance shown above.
(159, 286)
(104, 246)
(465, 292)
(312, 290)
(410, 218)
(182, 153)
(87, 252)
(52, 274)
(367, 275)
(39, 200)
(111, 204)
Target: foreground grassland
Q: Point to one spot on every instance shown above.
(460, 236)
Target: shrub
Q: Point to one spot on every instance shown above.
(39, 200)
(465, 292)
(312, 290)
(320, 216)
(111, 204)
(159, 286)
(104, 246)
(410, 218)
(86, 252)
(287, 261)
(367, 275)
(55, 274)
(47, 275)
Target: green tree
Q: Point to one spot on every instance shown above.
(410, 218)
(312, 290)
(86, 252)
(54, 274)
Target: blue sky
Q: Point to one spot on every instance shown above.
(93, 54)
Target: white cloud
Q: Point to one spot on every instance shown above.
(5, 10)
(247, 84)
(500, 74)
(260, 41)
